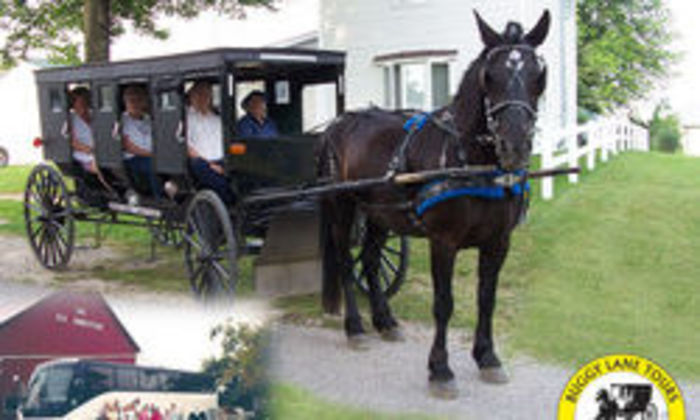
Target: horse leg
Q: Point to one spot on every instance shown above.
(441, 379)
(491, 259)
(382, 318)
(354, 330)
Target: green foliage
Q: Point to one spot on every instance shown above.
(623, 50)
(55, 28)
(241, 367)
(664, 129)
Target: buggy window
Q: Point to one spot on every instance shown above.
(55, 100)
(105, 98)
(282, 95)
(167, 101)
(215, 93)
(319, 106)
(243, 89)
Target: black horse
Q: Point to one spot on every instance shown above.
(490, 122)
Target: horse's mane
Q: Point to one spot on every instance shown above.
(468, 103)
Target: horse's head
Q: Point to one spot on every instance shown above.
(511, 78)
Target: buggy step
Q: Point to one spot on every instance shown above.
(135, 210)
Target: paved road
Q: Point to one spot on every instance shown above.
(392, 377)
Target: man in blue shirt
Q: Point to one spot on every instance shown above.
(255, 123)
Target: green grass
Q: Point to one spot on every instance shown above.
(14, 178)
(291, 403)
(609, 265)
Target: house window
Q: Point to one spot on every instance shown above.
(440, 81)
(416, 85)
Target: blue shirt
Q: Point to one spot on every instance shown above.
(248, 126)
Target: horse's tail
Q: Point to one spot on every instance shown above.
(331, 286)
(326, 160)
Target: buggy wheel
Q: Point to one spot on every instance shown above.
(393, 260)
(210, 247)
(48, 217)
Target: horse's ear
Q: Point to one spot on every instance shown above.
(538, 34)
(490, 37)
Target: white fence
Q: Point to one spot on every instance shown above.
(595, 140)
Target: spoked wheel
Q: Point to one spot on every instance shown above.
(48, 217)
(393, 259)
(210, 247)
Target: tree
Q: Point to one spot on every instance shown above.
(240, 369)
(623, 51)
(54, 27)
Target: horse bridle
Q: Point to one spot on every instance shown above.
(490, 110)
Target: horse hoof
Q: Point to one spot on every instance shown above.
(494, 375)
(358, 342)
(444, 390)
(393, 334)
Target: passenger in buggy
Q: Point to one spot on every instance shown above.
(81, 134)
(256, 123)
(137, 139)
(204, 142)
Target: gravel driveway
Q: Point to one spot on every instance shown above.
(392, 377)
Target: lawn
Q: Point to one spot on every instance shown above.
(13, 178)
(609, 265)
(291, 403)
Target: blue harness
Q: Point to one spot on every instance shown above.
(416, 122)
(443, 190)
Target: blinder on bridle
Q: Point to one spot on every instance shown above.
(491, 110)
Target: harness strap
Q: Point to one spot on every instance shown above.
(414, 125)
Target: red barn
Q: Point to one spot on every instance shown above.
(63, 325)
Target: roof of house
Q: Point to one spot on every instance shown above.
(66, 324)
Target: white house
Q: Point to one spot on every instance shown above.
(20, 114)
(413, 53)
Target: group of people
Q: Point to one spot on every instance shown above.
(203, 133)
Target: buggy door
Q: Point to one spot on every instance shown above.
(108, 146)
(55, 132)
(169, 149)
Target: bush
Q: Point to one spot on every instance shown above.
(664, 129)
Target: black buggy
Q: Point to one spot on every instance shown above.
(626, 401)
(273, 178)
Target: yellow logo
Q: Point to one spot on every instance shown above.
(621, 386)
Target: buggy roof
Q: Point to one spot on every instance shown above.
(197, 64)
